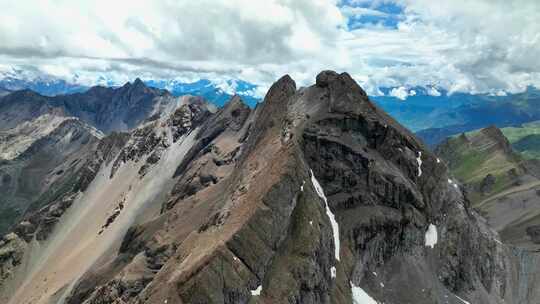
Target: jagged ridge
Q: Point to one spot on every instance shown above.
(240, 220)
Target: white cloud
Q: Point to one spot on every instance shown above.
(402, 93)
(482, 46)
(236, 38)
(361, 11)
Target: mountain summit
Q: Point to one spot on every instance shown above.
(315, 196)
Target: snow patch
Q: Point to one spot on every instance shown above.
(333, 272)
(432, 91)
(431, 236)
(419, 161)
(462, 300)
(333, 222)
(359, 296)
(454, 184)
(257, 292)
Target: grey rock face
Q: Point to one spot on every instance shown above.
(11, 254)
(313, 197)
(48, 168)
(107, 109)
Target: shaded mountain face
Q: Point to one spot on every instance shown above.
(51, 165)
(4, 92)
(107, 109)
(118, 109)
(502, 184)
(315, 196)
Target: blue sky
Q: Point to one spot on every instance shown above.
(482, 46)
(372, 13)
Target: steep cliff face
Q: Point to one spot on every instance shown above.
(316, 196)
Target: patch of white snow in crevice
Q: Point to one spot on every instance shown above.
(431, 236)
(359, 296)
(454, 184)
(257, 292)
(419, 161)
(331, 216)
(465, 302)
(333, 272)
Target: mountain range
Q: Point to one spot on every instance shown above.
(316, 195)
(48, 85)
(433, 113)
(501, 111)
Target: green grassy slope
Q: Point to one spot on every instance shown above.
(525, 139)
(474, 156)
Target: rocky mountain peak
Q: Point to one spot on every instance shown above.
(316, 196)
(280, 90)
(138, 83)
(497, 137)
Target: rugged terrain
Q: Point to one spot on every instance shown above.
(315, 196)
(501, 183)
(107, 109)
(46, 141)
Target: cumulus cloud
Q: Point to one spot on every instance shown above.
(167, 38)
(482, 46)
(402, 93)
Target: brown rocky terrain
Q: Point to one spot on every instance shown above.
(315, 196)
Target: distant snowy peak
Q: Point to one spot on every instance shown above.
(48, 85)
(217, 91)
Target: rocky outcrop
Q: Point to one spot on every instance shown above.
(149, 141)
(11, 254)
(316, 196)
